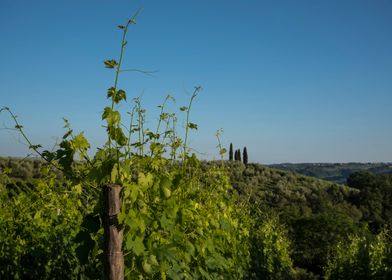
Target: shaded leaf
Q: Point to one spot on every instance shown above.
(110, 63)
(192, 125)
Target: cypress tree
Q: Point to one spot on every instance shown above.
(239, 155)
(231, 152)
(245, 156)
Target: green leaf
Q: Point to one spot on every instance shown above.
(110, 63)
(192, 125)
(134, 194)
(35, 147)
(147, 267)
(145, 181)
(7, 170)
(165, 222)
(165, 182)
(68, 133)
(222, 151)
(117, 134)
(190, 248)
(136, 245)
(112, 117)
(164, 116)
(183, 108)
(77, 189)
(153, 260)
(80, 143)
(114, 174)
(120, 95)
(49, 156)
(210, 245)
(111, 92)
(116, 96)
(166, 192)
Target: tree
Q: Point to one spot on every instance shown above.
(245, 156)
(239, 154)
(231, 152)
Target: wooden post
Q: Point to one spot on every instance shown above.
(113, 235)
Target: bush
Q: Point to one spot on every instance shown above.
(363, 257)
(270, 251)
(37, 233)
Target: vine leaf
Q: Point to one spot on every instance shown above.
(112, 117)
(136, 245)
(80, 143)
(145, 181)
(192, 126)
(110, 63)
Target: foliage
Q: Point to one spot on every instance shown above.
(316, 213)
(314, 238)
(38, 230)
(270, 252)
(178, 222)
(183, 226)
(334, 172)
(374, 198)
(362, 257)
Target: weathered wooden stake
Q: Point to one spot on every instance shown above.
(113, 235)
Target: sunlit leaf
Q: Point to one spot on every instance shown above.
(79, 143)
(112, 117)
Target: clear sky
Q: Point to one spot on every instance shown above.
(293, 80)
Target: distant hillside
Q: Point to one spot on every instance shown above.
(335, 172)
(316, 213)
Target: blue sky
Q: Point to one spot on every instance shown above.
(294, 81)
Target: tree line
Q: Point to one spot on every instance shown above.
(237, 154)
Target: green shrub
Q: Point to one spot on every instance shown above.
(270, 251)
(363, 257)
(37, 233)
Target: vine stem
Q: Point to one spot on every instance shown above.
(118, 68)
(132, 113)
(160, 120)
(33, 147)
(19, 127)
(218, 134)
(195, 92)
